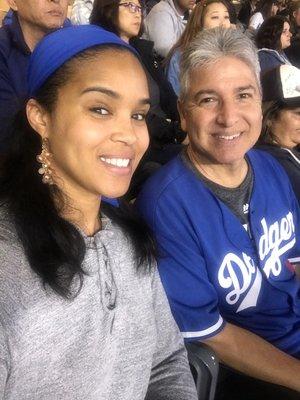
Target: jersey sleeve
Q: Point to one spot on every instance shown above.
(183, 269)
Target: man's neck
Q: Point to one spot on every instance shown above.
(228, 175)
(32, 34)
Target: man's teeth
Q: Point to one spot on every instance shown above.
(226, 137)
(118, 162)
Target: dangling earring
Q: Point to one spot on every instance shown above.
(44, 158)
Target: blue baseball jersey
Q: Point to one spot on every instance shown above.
(212, 271)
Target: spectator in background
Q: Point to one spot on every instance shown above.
(83, 312)
(264, 10)
(165, 23)
(31, 21)
(227, 224)
(273, 37)
(81, 11)
(281, 123)
(205, 15)
(246, 10)
(293, 52)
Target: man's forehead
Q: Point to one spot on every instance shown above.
(220, 76)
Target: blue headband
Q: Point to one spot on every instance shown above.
(60, 46)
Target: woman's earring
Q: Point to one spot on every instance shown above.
(45, 159)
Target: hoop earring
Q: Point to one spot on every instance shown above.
(45, 159)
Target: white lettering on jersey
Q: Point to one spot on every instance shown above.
(228, 278)
(271, 245)
(242, 276)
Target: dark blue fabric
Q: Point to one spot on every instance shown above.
(211, 269)
(14, 60)
(60, 46)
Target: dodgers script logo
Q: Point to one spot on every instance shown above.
(276, 240)
(241, 276)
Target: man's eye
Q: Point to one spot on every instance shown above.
(245, 95)
(100, 110)
(207, 100)
(139, 116)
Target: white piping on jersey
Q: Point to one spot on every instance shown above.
(205, 332)
(292, 154)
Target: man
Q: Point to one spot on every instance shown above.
(165, 23)
(31, 21)
(228, 223)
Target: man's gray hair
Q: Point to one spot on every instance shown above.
(209, 46)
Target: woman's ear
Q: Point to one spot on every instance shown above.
(37, 117)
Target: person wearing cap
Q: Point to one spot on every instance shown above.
(227, 224)
(83, 314)
(31, 21)
(281, 124)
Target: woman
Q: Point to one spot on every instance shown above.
(272, 38)
(281, 124)
(293, 52)
(227, 224)
(264, 10)
(82, 311)
(205, 15)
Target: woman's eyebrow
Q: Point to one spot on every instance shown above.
(111, 93)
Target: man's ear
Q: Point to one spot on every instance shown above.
(37, 118)
(182, 114)
(12, 4)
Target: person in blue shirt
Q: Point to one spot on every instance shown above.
(227, 223)
(30, 21)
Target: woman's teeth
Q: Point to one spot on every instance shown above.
(118, 162)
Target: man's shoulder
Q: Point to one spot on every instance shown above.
(166, 178)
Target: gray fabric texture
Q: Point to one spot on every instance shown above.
(164, 26)
(236, 199)
(115, 341)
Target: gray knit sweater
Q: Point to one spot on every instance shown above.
(116, 341)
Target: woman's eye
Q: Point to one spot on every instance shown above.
(215, 17)
(100, 110)
(139, 116)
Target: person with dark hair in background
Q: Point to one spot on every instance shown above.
(83, 314)
(272, 38)
(264, 10)
(293, 52)
(205, 15)
(246, 10)
(281, 122)
(31, 21)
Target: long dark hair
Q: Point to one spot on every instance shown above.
(269, 33)
(53, 246)
(193, 27)
(265, 8)
(105, 14)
